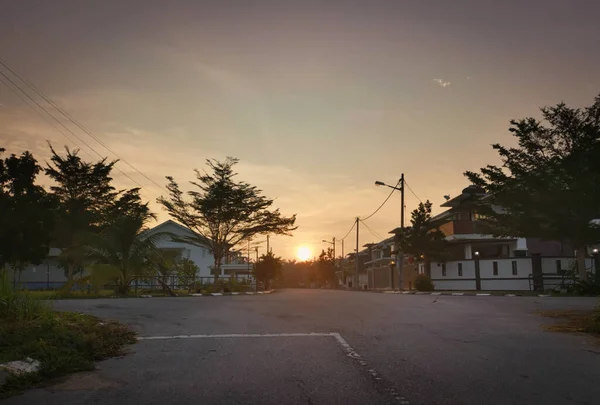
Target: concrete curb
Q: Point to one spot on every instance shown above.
(231, 294)
(460, 294)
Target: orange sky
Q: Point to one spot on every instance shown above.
(317, 100)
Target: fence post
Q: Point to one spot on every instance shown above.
(537, 274)
(477, 274)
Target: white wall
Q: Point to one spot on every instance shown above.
(199, 255)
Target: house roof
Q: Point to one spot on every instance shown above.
(166, 223)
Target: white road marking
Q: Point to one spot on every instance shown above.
(216, 294)
(349, 350)
(482, 295)
(438, 293)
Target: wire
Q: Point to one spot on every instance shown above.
(45, 118)
(372, 231)
(383, 203)
(412, 191)
(70, 118)
(62, 125)
(348, 233)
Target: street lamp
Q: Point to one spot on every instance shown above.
(595, 261)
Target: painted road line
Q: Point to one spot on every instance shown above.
(437, 293)
(349, 350)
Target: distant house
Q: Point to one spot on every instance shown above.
(233, 265)
(479, 261)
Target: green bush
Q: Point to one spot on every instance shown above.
(591, 286)
(423, 283)
(19, 305)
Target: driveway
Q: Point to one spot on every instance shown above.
(337, 347)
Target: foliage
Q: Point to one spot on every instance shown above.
(267, 268)
(549, 184)
(223, 212)
(63, 342)
(423, 283)
(186, 272)
(120, 251)
(19, 306)
(26, 213)
(422, 239)
(85, 195)
(591, 286)
(325, 268)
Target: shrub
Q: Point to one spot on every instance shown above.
(19, 305)
(591, 286)
(423, 283)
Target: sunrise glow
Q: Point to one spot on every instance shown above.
(303, 253)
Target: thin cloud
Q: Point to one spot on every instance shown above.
(441, 82)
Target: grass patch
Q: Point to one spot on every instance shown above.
(574, 321)
(59, 295)
(63, 342)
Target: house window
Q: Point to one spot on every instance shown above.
(460, 269)
(495, 265)
(558, 266)
(514, 268)
(444, 269)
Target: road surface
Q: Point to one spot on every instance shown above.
(336, 347)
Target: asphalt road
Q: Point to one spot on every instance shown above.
(366, 348)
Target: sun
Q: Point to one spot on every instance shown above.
(303, 253)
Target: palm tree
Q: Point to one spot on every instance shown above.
(120, 252)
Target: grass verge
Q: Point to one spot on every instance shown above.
(63, 342)
(575, 321)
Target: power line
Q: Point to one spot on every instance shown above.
(62, 125)
(76, 123)
(371, 230)
(412, 191)
(383, 203)
(45, 118)
(348, 233)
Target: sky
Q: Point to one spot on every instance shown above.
(318, 99)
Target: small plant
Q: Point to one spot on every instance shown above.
(423, 283)
(19, 305)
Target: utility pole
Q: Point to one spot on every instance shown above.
(400, 259)
(268, 243)
(356, 257)
(256, 248)
(334, 252)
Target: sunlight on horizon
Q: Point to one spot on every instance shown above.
(303, 253)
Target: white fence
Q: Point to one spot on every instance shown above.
(507, 274)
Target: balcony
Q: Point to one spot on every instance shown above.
(459, 227)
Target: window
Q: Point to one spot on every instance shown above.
(558, 266)
(460, 269)
(495, 264)
(444, 269)
(514, 268)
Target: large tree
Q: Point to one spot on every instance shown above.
(548, 185)
(325, 267)
(86, 197)
(26, 213)
(422, 239)
(222, 212)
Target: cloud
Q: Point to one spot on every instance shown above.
(441, 82)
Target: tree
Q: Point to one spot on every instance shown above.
(267, 268)
(186, 272)
(326, 268)
(422, 239)
(223, 212)
(26, 213)
(549, 184)
(121, 251)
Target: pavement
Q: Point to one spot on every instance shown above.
(337, 347)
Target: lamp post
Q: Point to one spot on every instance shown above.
(477, 272)
(399, 253)
(595, 261)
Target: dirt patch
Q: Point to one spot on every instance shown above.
(88, 381)
(573, 322)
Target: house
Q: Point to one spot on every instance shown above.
(381, 264)
(46, 275)
(479, 261)
(235, 264)
(348, 276)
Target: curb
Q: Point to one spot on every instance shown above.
(461, 294)
(210, 294)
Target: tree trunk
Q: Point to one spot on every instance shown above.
(217, 268)
(581, 253)
(166, 288)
